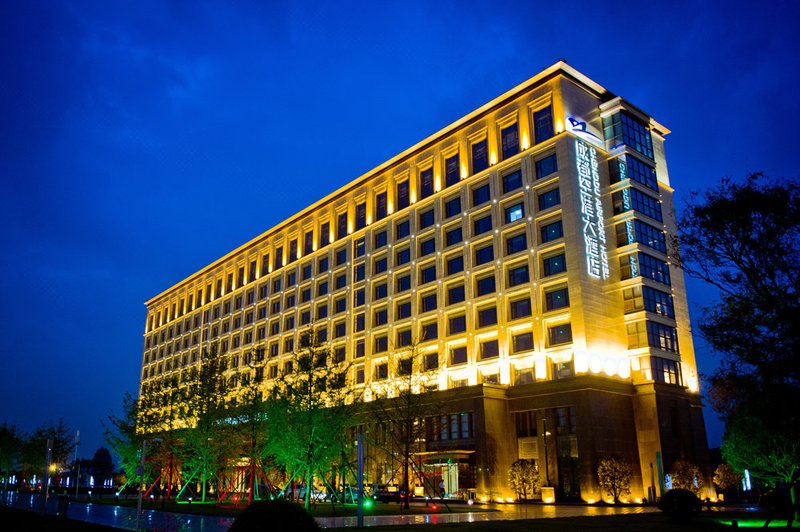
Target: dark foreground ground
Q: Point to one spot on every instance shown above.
(13, 520)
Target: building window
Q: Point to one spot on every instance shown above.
(512, 181)
(341, 256)
(484, 255)
(487, 316)
(543, 124)
(556, 299)
(485, 285)
(359, 272)
(426, 219)
(381, 317)
(631, 198)
(360, 322)
(455, 264)
(662, 337)
(380, 206)
(553, 265)
(426, 183)
(402, 195)
(325, 234)
(451, 170)
(520, 308)
(454, 236)
(339, 305)
(552, 231)
(379, 239)
(341, 226)
(426, 247)
(516, 243)
(666, 371)
(509, 140)
(489, 349)
(457, 324)
(427, 274)
(404, 338)
(308, 243)
(518, 275)
(380, 291)
(430, 331)
(455, 294)
(427, 302)
(381, 371)
(322, 264)
(403, 256)
(480, 156)
(403, 283)
(522, 342)
(361, 215)
(380, 265)
(560, 334)
(482, 225)
(458, 355)
(653, 268)
(358, 297)
(402, 229)
(293, 250)
(431, 361)
(628, 167)
(403, 310)
(359, 352)
(381, 344)
(322, 288)
(650, 236)
(658, 302)
(481, 195)
(549, 199)
(546, 166)
(623, 129)
(514, 212)
(452, 207)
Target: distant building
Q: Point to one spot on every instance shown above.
(523, 249)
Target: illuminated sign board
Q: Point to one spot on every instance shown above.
(591, 207)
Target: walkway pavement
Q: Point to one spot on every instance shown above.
(125, 518)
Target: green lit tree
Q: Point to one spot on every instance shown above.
(523, 476)
(306, 412)
(615, 476)
(121, 434)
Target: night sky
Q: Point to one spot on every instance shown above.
(140, 141)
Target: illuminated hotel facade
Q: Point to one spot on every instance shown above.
(522, 251)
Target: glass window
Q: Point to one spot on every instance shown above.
(454, 236)
(426, 219)
(556, 299)
(404, 338)
(322, 311)
(658, 302)
(451, 171)
(341, 225)
(322, 264)
(308, 243)
(514, 212)
(509, 140)
(426, 247)
(455, 294)
(402, 195)
(546, 166)
(381, 265)
(430, 331)
(552, 231)
(403, 256)
(522, 342)
(543, 124)
(403, 283)
(485, 285)
(518, 275)
(455, 264)
(458, 355)
(380, 291)
(662, 336)
(654, 268)
(340, 305)
(380, 239)
(482, 225)
(426, 183)
(480, 156)
(520, 308)
(403, 310)
(650, 236)
(487, 316)
(555, 264)
(516, 243)
(427, 302)
(381, 345)
(427, 274)
(560, 334)
(381, 317)
(341, 256)
(666, 371)
(380, 206)
(325, 234)
(402, 229)
(361, 215)
(489, 349)
(457, 324)
(341, 280)
(623, 129)
(480, 195)
(360, 247)
(484, 255)
(630, 198)
(359, 349)
(452, 207)
(512, 181)
(360, 322)
(358, 297)
(548, 199)
(359, 272)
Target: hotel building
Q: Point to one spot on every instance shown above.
(522, 251)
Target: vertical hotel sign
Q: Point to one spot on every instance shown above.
(591, 207)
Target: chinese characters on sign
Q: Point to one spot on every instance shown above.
(594, 234)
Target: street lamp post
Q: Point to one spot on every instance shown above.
(546, 464)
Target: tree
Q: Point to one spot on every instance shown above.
(10, 448)
(615, 475)
(403, 418)
(726, 477)
(744, 239)
(686, 476)
(306, 412)
(34, 448)
(523, 476)
(102, 466)
(120, 432)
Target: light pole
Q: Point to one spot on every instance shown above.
(78, 462)
(140, 473)
(546, 464)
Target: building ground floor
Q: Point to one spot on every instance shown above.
(566, 427)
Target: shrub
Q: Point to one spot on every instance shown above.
(679, 504)
(265, 516)
(615, 475)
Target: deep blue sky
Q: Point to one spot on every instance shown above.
(139, 141)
